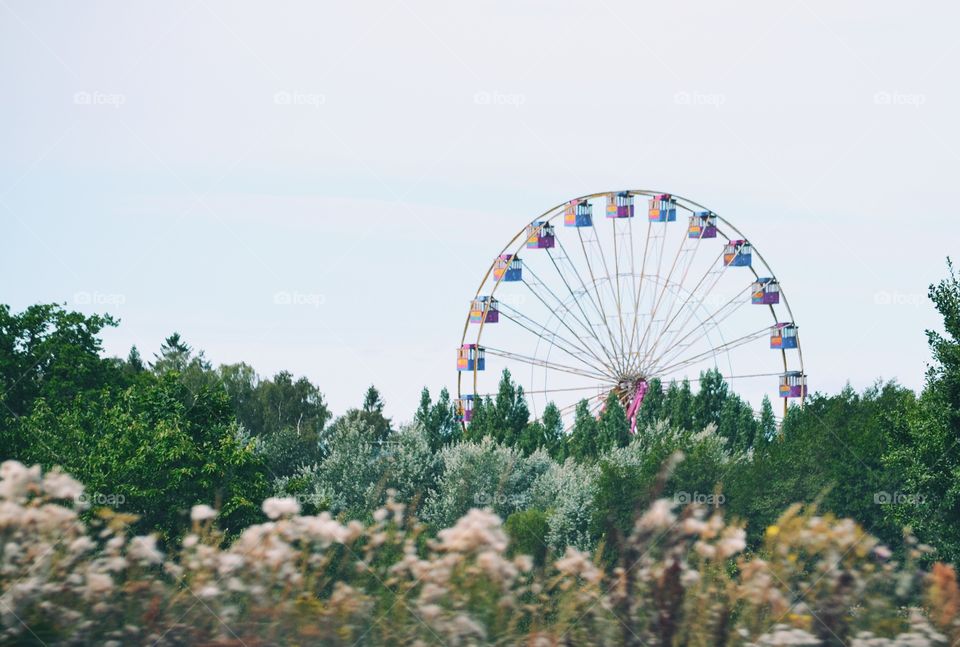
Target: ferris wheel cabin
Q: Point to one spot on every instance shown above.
(663, 208)
(484, 310)
(703, 224)
(783, 336)
(578, 213)
(471, 357)
(737, 253)
(793, 384)
(463, 408)
(765, 291)
(540, 235)
(508, 268)
(620, 205)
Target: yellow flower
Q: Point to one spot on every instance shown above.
(772, 531)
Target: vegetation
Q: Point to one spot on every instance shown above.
(584, 550)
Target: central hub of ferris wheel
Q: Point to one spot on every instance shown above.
(612, 303)
(631, 391)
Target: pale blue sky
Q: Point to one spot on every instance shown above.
(180, 163)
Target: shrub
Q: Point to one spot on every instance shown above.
(682, 579)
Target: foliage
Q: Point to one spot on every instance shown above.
(528, 530)
(483, 474)
(47, 352)
(357, 474)
(504, 418)
(683, 579)
(368, 418)
(154, 451)
(926, 453)
(438, 420)
(628, 476)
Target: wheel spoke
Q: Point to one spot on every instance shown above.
(573, 296)
(561, 319)
(596, 289)
(676, 343)
(665, 330)
(534, 361)
(688, 361)
(659, 300)
(518, 318)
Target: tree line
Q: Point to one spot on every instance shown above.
(154, 437)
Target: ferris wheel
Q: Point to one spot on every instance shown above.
(579, 305)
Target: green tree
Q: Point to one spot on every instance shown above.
(297, 404)
(193, 369)
(768, 422)
(710, 399)
(831, 450)
(737, 423)
(927, 455)
(653, 408)
(583, 441)
(242, 385)
(678, 404)
(50, 353)
(504, 418)
(546, 434)
(528, 531)
(369, 417)
(156, 449)
(613, 428)
(438, 420)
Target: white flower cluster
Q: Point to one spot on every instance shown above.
(300, 579)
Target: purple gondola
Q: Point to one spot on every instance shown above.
(540, 235)
(793, 384)
(620, 205)
(765, 291)
(702, 224)
(463, 409)
(482, 305)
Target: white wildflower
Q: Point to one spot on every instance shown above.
(734, 540)
(58, 485)
(785, 635)
(658, 517)
(144, 550)
(276, 508)
(202, 513)
(16, 479)
(477, 530)
(98, 584)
